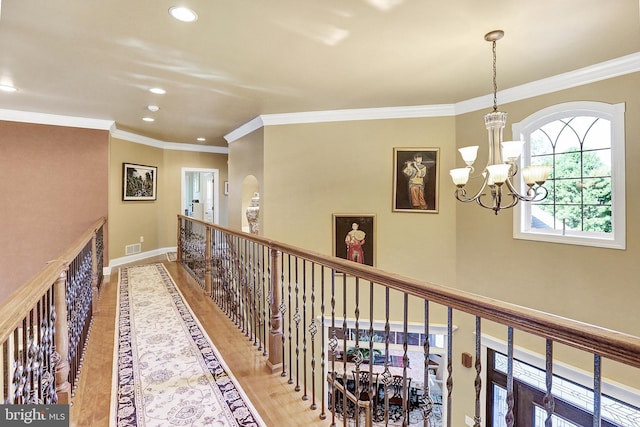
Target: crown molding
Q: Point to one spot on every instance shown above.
(55, 120)
(245, 129)
(145, 140)
(341, 116)
(605, 70)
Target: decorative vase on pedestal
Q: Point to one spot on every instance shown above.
(253, 212)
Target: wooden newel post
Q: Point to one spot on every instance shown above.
(63, 388)
(275, 361)
(207, 261)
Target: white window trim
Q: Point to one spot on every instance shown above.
(615, 114)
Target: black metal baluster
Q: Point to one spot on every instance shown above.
(509, 417)
(323, 348)
(358, 358)
(283, 311)
(597, 390)
(297, 318)
(425, 402)
(548, 401)
(305, 396)
(478, 366)
(290, 381)
(333, 345)
(405, 360)
(344, 346)
(313, 329)
(449, 362)
(373, 394)
(386, 374)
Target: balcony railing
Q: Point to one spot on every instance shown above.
(44, 325)
(318, 320)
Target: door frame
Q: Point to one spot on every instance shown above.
(216, 190)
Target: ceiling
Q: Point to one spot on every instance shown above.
(244, 58)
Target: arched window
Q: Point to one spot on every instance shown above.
(583, 142)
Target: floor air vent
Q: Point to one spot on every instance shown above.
(132, 249)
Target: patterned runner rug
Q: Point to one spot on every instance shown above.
(168, 372)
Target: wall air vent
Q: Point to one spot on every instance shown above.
(132, 249)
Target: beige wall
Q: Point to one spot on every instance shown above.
(594, 285)
(129, 220)
(248, 160)
(315, 170)
(157, 220)
(54, 185)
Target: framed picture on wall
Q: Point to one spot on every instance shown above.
(415, 179)
(354, 237)
(139, 182)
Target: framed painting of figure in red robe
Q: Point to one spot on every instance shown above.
(415, 179)
(354, 237)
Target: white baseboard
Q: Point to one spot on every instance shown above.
(113, 263)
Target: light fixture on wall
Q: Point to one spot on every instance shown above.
(502, 160)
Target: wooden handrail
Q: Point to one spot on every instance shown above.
(607, 343)
(21, 301)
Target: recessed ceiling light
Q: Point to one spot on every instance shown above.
(157, 90)
(183, 14)
(7, 88)
(148, 119)
(201, 139)
(153, 108)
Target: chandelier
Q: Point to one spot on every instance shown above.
(502, 167)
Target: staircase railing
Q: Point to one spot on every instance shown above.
(319, 319)
(44, 325)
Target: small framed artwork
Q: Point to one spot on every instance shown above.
(354, 237)
(226, 188)
(139, 182)
(415, 179)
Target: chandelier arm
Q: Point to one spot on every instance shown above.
(514, 201)
(476, 196)
(515, 193)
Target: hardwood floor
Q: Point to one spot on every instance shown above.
(276, 401)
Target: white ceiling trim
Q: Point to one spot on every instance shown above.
(54, 120)
(139, 139)
(602, 71)
(605, 70)
(341, 116)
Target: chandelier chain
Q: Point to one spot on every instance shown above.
(495, 83)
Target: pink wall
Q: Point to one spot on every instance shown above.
(53, 186)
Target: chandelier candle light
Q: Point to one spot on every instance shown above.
(502, 161)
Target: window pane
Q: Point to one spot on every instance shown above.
(540, 143)
(597, 191)
(499, 406)
(597, 219)
(540, 415)
(567, 139)
(568, 165)
(568, 191)
(569, 218)
(542, 217)
(597, 163)
(599, 136)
